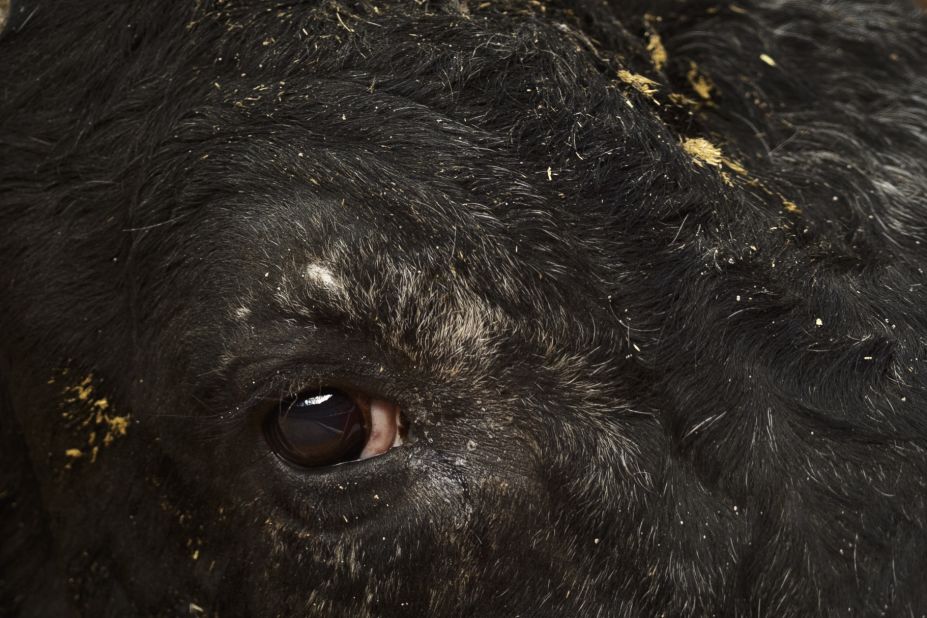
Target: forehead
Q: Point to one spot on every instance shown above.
(361, 200)
(439, 286)
(384, 198)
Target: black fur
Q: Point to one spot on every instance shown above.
(647, 279)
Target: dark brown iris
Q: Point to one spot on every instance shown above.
(318, 428)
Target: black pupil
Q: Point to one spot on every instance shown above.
(318, 428)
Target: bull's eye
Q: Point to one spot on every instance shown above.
(323, 427)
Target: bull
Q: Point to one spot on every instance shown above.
(457, 308)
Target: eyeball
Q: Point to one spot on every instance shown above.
(325, 427)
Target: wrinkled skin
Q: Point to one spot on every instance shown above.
(660, 345)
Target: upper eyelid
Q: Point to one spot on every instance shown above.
(284, 358)
(289, 378)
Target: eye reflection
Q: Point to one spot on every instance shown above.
(327, 426)
(320, 428)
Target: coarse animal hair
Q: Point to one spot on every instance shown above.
(646, 278)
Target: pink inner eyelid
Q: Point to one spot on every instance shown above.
(384, 428)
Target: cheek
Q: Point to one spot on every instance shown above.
(69, 419)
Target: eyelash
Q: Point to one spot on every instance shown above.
(254, 404)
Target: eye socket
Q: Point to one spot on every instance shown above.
(324, 427)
